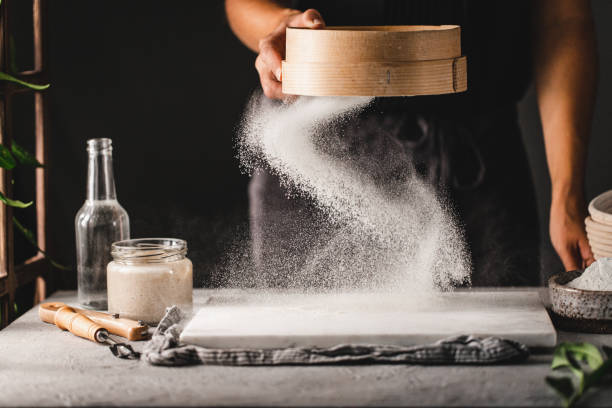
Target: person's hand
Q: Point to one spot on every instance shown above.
(567, 233)
(272, 50)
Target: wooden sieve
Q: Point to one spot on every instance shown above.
(374, 61)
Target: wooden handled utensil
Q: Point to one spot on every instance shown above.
(66, 318)
(130, 329)
(81, 323)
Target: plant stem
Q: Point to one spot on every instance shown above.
(30, 237)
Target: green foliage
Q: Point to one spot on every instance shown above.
(29, 235)
(23, 156)
(6, 77)
(14, 203)
(7, 161)
(587, 366)
(562, 385)
(12, 57)
(18, 155)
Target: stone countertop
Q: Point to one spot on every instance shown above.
(43, 366)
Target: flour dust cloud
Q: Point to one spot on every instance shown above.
(382, 228)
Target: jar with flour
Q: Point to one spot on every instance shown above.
(148, 275)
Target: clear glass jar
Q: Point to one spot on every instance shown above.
(148, 275)
(100, 222)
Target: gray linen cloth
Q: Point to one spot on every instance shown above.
(164, 349)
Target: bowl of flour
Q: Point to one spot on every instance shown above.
(583, 294)
(600, 208)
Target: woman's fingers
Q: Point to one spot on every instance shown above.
(568, 235)
(270, 54)
(576, 255)
(272, 50)
(585, 252)
(311, 18)
(268, 63)
(270, 85)
(570, 258)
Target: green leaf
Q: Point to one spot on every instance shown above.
(7, 161)
(565, 352)
(577, 371)
(29, 235)
(586, 352)
(570, 356)
(560, 357)
(562, 385)
(6, 77)
(14, 203)
(23, 156)
(597, 375)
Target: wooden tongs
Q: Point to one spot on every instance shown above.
(95, 326)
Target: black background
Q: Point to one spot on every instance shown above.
(167, 81)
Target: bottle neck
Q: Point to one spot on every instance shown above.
(100, 179)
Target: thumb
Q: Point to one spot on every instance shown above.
(311, 18)
(585, 252)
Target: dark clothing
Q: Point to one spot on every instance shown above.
(480, 166)
(468, 145)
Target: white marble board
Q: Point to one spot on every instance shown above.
(247, 320)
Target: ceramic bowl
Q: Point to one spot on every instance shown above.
(578, 303)
(601, 249)
(596, 226)
(601, 237)
(599, 256)
(600, 208)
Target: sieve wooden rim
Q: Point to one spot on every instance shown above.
(375, 79)
(386, 28)
(351, 44)
(374, 61)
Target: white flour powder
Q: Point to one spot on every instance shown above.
(409, 239)
(598, 276)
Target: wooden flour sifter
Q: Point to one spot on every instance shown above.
(374, 61)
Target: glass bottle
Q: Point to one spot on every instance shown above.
(100, 222)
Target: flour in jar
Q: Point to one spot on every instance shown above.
(143, 291)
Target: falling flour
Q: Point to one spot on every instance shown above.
(598, 276)
(394, 235)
